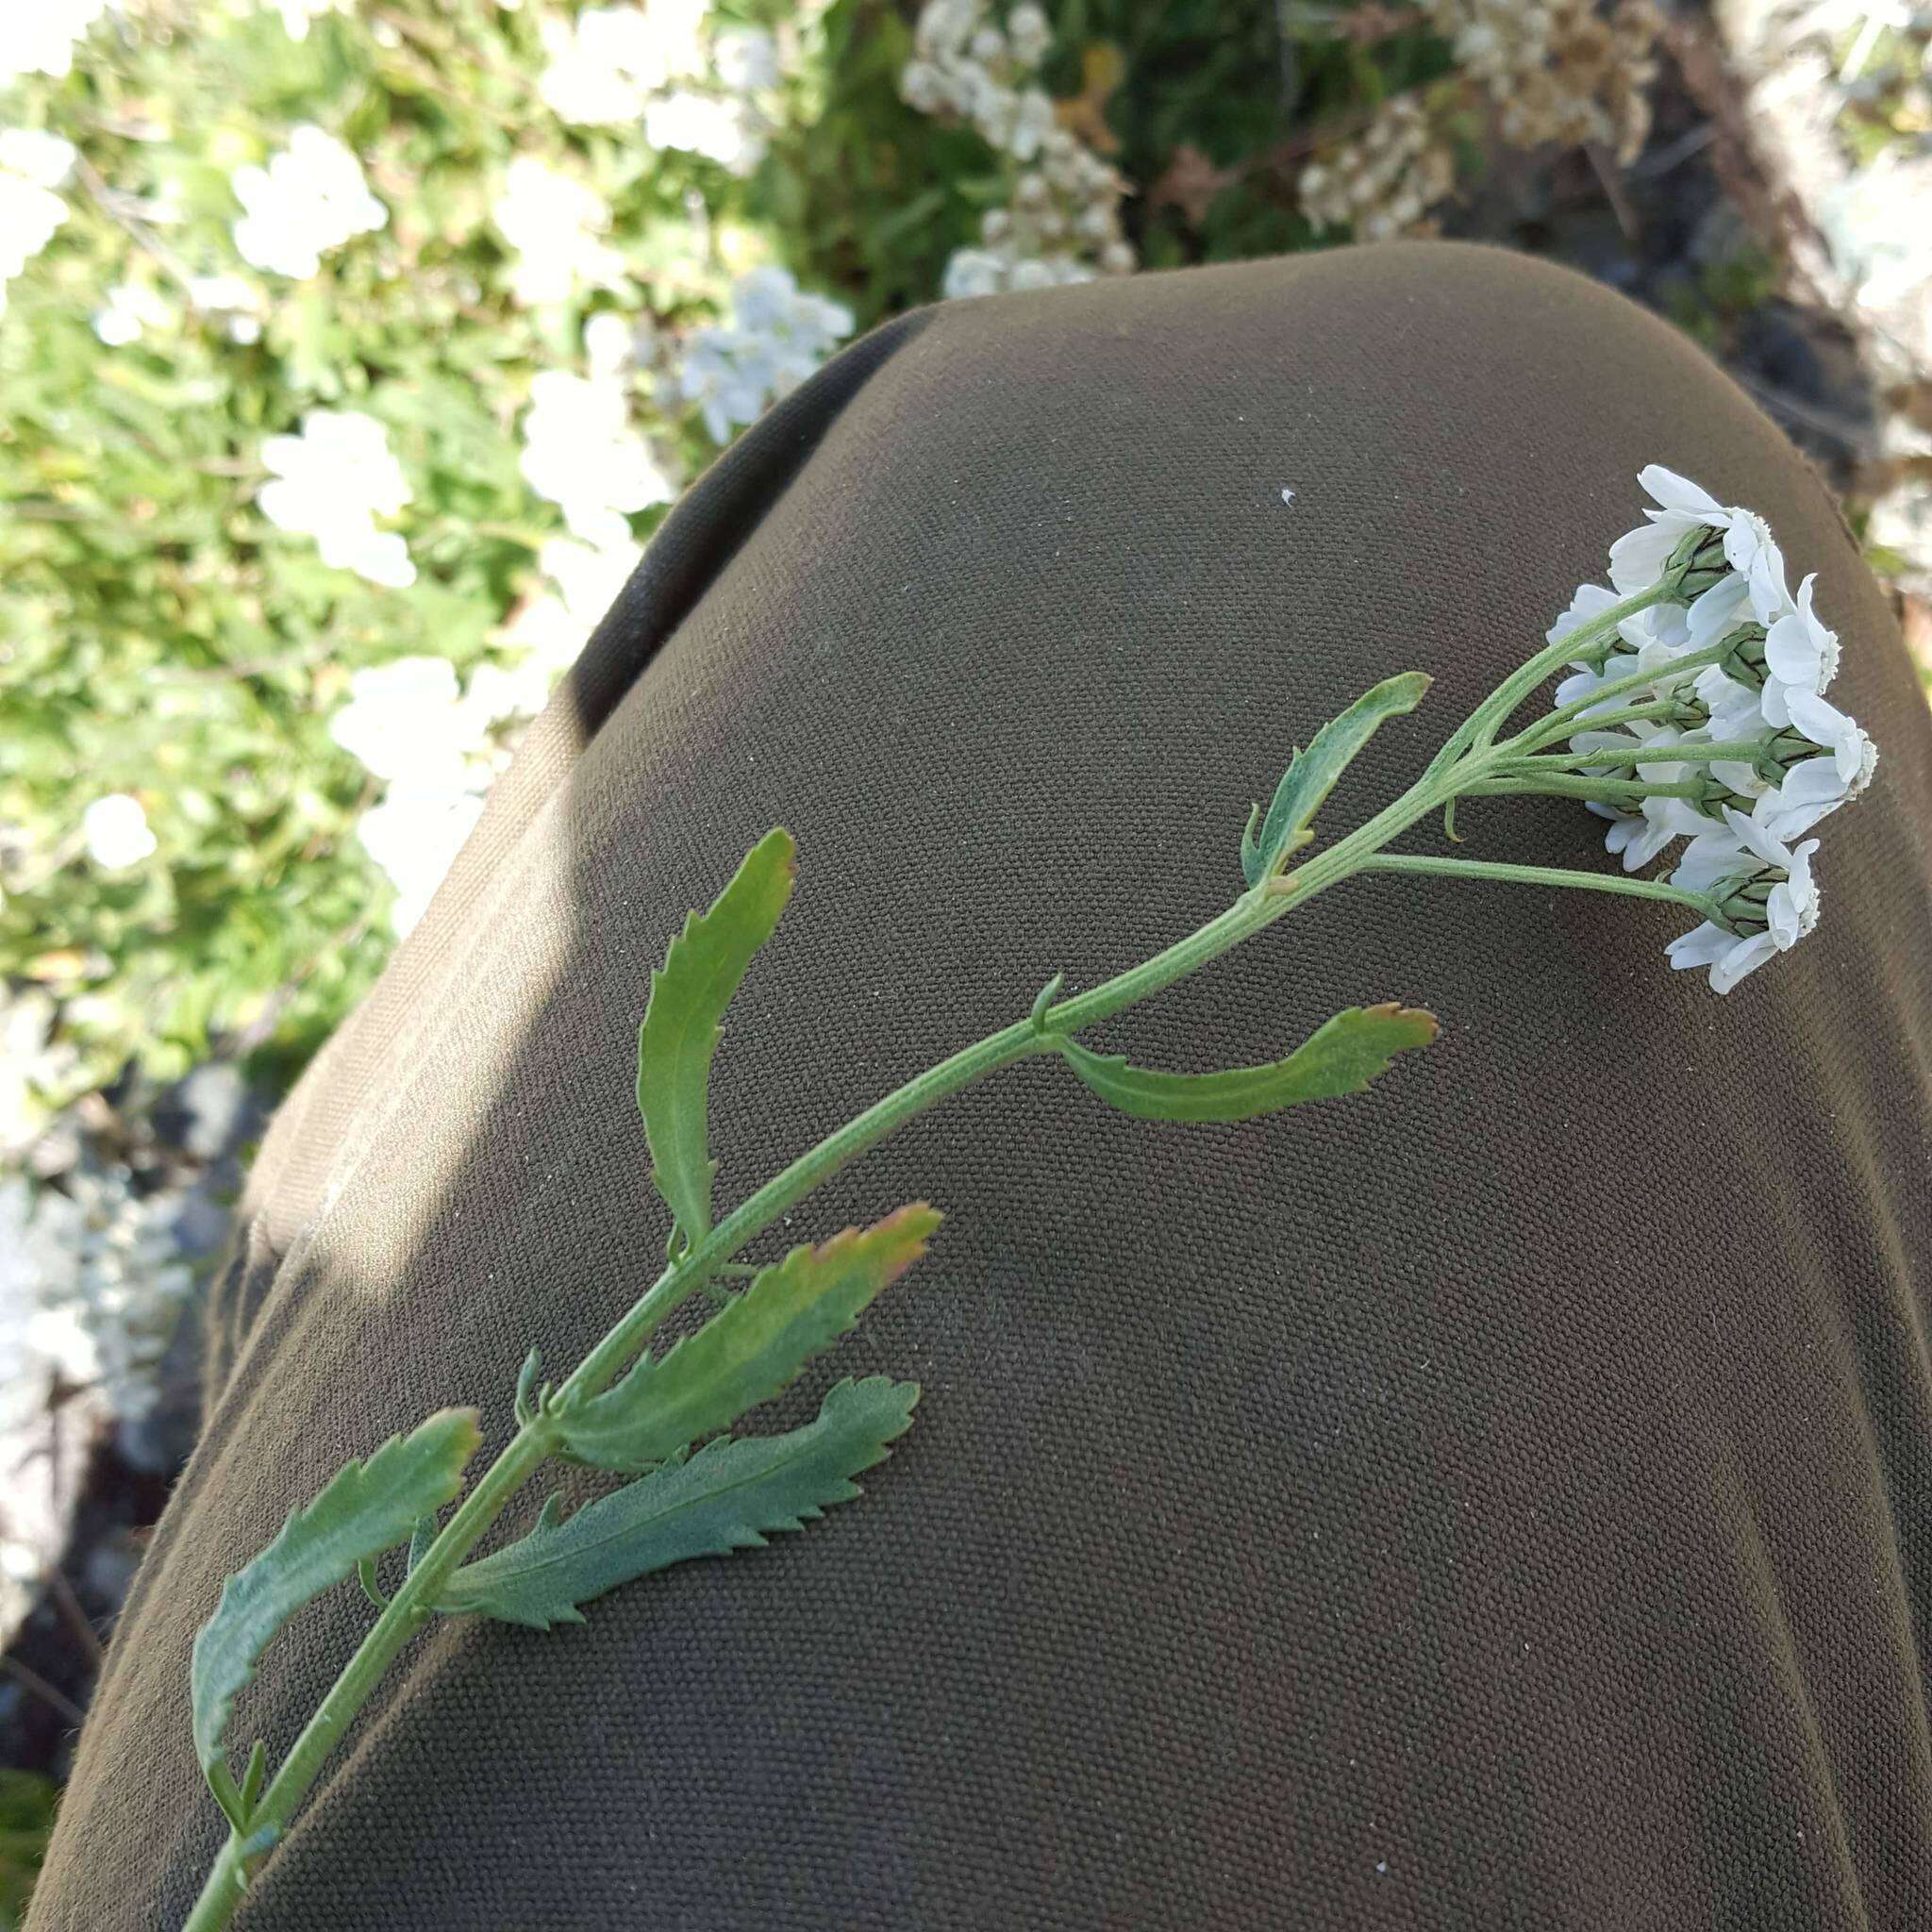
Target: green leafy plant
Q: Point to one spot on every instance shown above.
(1705, 650)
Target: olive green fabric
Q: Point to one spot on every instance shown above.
(1499, 1499)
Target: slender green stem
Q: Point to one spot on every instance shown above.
(413, 1604)
(1683, 751)
(1478, 730)
(1567, 718)
(1539, 876)
(1580, 785)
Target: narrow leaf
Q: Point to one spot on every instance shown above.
(754, 1347)
(731, 1495)
(367, 1508)
(703, 968)
(1311, 773)
(1341, 1056)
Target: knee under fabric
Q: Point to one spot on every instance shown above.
(1498, 1502)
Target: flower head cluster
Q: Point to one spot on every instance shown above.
(310, 200)
(331, 482)
(581, 451)
(130, 310)
(437, 746)
(1698, 689)
(604, 63)
(618, 66)
(555, 225)
(115, 831)
(93, 1281)
(777, 336)
(1383, 181)
(32, 166)
(41, 37)
(1061, 223)
(1561, 72)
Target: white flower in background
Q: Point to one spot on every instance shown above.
(297, 16)
(720, 130)
(32, 166)
(40, 36)
(1029, 34)
(1765, 889)
(1062, 221)
(310, 199)
(437, 748)
(115, 831)
(555, 225)
(233, 301)
(91, 1286)
(580, 451)
(604, 63)
(331, 482)
(745, 59)
(414, 835)
(583, 580)
(33, 1066)
(404, 720)
(777, 336)
(130, 308)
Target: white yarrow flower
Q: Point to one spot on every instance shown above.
(331, 482)
(555, 225)
(1800, 651)
(32, 166)
(581, 451)
(1730, 658)
(308, 201)
(115, 831)
(1766, 888)
(131, 307)
(40, 36)
(780, 335)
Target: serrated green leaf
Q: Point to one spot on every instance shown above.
(731, 1495)
(1311, 773)
(749, 1351)
(703, 968)
(368, 1508)
(1341, 1056)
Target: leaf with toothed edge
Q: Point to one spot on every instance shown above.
(703, 968)
(1341, 1056)
(752, 1349)
(368, 1508)
(730, 1495)
(1311, 773)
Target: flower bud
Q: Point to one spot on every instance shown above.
(1697, 564)
(1743, 656)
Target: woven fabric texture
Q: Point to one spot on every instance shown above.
(1498, 1499)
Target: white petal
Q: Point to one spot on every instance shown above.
(1677, 492)
(1701, 946)
(1638, 557)
(1745, 957)
(1592, 600)
(1715, 614)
